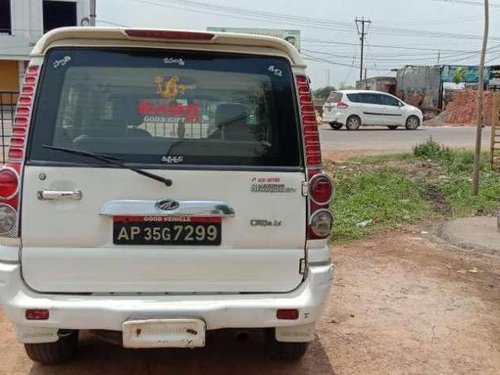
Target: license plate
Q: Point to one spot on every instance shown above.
(166, 230)
(164, 333)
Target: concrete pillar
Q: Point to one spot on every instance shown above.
(21, 64)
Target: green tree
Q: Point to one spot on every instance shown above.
(323, 92)
(459, 75)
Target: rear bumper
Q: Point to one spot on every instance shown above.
(335, 117)
(109, 312)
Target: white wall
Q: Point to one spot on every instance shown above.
(27, 27)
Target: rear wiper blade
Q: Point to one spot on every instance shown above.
(110, 160)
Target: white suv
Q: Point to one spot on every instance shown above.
(160, 185)
(355, 108)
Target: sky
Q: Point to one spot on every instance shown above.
(401, 32)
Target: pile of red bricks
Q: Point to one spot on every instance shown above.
(462, 109)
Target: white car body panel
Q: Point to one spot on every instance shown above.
(370, 114)
(81, 257)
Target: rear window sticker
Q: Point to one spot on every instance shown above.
(157, 110)
(276, 71)
(61, 62)
(172, 60)
(172, 159)
(170, 89)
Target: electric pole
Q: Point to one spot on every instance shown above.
(92, 15)
(362, 31)
(480, 89)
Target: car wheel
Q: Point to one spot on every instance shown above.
(54, 353)
(291, 351)
(335, 125)
(412, 123)
(353, 123)
(393, 127)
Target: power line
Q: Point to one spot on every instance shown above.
(326, 61)
(209, 8)
(322, 41)
(468, 2)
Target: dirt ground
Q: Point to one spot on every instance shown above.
(402, 303)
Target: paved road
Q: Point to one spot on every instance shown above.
(401, 139)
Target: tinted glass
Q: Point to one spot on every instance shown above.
(5, 21)
(334, 97)
(369, 98)
(58, 14)
(155, 107)
(354, 98)
(389, 100)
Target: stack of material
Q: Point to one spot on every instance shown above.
(462, 109)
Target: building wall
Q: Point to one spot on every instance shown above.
(27, 28)
(9, 79)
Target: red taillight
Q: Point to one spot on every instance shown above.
(10, 172)
(287, 314)
(9, 183)
(171, 35)
(319, 217)
(309, 124)
(342, 105)
(37, 314)
(321, 189)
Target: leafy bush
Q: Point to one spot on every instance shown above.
(432, 150)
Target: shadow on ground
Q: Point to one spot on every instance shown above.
(223, 355)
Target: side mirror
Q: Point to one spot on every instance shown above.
(401, 104)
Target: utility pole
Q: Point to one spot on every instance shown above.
(439, 57)
(92, 15)
(362, 31)
(480, 89)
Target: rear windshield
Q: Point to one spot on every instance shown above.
(166, 108)
(334, 97)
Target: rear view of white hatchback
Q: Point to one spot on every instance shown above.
(161, 185)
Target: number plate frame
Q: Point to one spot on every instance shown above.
(167, 230)
(164, 333)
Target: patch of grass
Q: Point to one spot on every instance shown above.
(380, 158)
(456, 187)
(369, 202)
(389, 191)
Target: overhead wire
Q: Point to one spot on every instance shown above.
(204, 7)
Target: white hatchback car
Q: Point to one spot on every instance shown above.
(161, 185)
(356, 108)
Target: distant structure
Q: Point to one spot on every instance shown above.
(382, 83)
(23, 22)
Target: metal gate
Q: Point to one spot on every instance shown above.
(8, 100)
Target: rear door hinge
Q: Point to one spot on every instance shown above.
(302, 266)
(305, 188)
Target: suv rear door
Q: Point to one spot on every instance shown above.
(222, 126)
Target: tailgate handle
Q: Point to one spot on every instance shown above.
(150, 208)
(52, 195)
